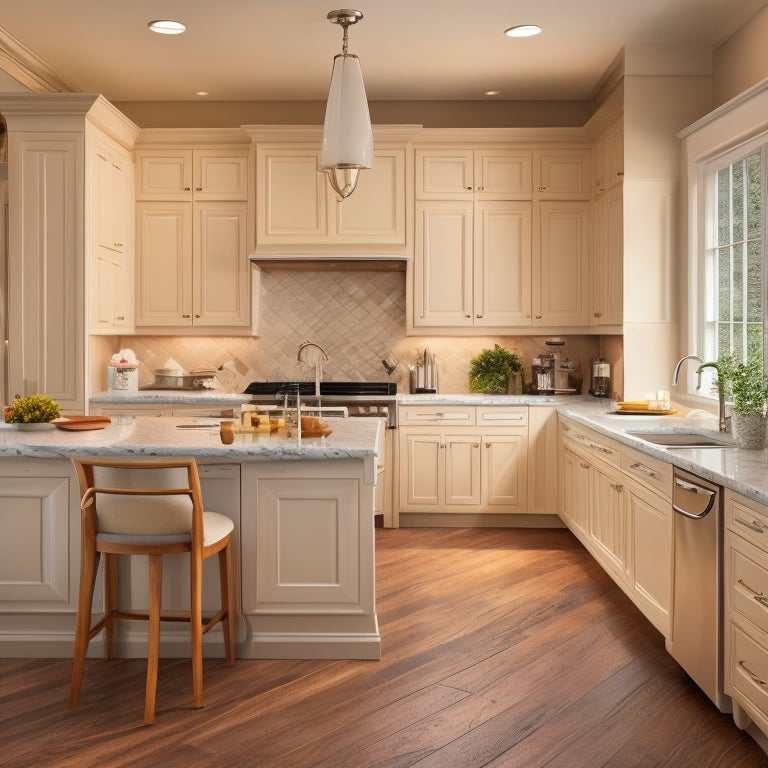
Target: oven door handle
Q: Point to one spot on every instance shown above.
(698, 491)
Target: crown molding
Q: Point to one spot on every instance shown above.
(30, 70)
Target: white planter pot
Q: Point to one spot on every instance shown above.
(750, 430)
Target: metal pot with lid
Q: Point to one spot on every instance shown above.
(176, 378)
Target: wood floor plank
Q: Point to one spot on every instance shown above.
(501, 647)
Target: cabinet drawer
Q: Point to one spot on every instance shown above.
(591, 442)
(500, 416)
(746, 518)
(427, 414)
(748, 667)
(747, 581)
(650, 472)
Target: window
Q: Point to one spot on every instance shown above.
(735, 256)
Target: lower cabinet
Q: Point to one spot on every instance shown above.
(617, 502)
(746, 609)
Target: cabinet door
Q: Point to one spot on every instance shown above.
(164, 174)
(291, 205)
(505, 467)
(561, 271)
(220, 265)
(651, 560)
(375, 213)
(444, 174)
(608, 519)
(608, 157)
(462, 471)
(220, 174)
(164, 274)
(574, 491)
(422, 471)
(111, 297)
(608, 253)
(503, 174)
(562, 174)
(542, 460)
(112, 200)
(502, 263)
(442, 275)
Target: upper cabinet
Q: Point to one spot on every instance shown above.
(562, 174)
(473, 174)
(192, 174)
(608, 157)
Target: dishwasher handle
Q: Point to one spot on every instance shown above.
(697, 490)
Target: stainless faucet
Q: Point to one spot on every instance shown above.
(318, 361)
(724, 423)
(676, 374)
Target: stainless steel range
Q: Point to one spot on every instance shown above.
(360, 398)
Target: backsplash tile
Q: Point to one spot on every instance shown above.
(357, 317)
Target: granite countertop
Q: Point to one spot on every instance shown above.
(467, 399)
(144, 436)
(743, 471)
(169, 396)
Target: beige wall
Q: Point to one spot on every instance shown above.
(741, 61)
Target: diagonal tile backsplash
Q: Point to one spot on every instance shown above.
(357, 317)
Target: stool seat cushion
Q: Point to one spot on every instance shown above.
(215, 527)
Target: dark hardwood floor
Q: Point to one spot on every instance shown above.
(501, 648)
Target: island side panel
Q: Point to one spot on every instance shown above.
(308, 568)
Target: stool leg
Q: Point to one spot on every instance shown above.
(88, 566)
(196, 625)
(153, 654)
(227, 602)
(110, 603)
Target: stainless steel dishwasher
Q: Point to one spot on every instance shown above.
(697, 631)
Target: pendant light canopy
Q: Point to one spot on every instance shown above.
(347, 137)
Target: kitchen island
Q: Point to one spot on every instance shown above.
(304, 523)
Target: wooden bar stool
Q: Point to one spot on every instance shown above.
(148, 508)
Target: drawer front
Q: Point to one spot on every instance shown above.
(746, 518)
(747, 582)
(499, 416)
(649, 471)
(591, 442)
(749, 668)
(427, 414)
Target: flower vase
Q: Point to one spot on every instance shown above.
(750, 430)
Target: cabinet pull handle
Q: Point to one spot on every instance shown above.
(198, 189)
(755, 679)
(120, 317)
(480, 189)
(754, 525)
(645, 470)
(601, 449)
(618, 487)
(185, 316)
(187, 189)
(469, 189)
(759, 596)
(479, 315)
(584, 465)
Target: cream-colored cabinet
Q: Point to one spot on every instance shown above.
(192, 265)
(607, 254)
(746, 609)
(617, 502)
(608, 157)
(542, 460)
(472, 264)
(561, 174)
(175, 173)
(561, 268)
(463, 460)
(473, 174)
(295, 205)
(111, 290)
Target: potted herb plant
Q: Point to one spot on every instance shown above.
(490, 371)
(746, 384)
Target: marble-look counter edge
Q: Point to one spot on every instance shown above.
(743, 471)
(169, 397)
(476, 399)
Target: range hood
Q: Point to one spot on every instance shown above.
(392, 262)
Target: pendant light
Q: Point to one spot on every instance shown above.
(347, 137)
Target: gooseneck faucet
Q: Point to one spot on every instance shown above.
(317, 360)
(724, 423)
(676, 374)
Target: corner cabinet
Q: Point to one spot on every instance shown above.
(617, 502)
(192, 232)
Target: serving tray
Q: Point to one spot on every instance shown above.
(81, 423)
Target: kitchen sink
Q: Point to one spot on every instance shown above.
(682, 439)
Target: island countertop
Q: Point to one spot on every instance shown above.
(143, 437)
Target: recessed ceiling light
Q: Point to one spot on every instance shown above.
(166, 27)
(523, 30)
(492, 93)
(201, 93)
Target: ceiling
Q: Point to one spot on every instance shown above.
(282, 50)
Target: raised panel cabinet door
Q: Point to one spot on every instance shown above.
(503, 174)
(542, 460)
(502, 263)
(561, 271)
(608, 254)
(164, 174)
(651, 561)
(608, 528)
(220, 265)
(111, 297)
(442, 275)
(562, 174)
(422, 471)
(505, 470)
(375, 213)
(112, 200)
(291, 201)
(164, 264)
(574, 491)
(220, 174)
(444, 174)
(462, 471)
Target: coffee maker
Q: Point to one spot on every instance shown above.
(543, 380)
(600, 382)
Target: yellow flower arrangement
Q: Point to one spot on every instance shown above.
(32, 409)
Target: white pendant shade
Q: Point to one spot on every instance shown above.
(347, 136)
